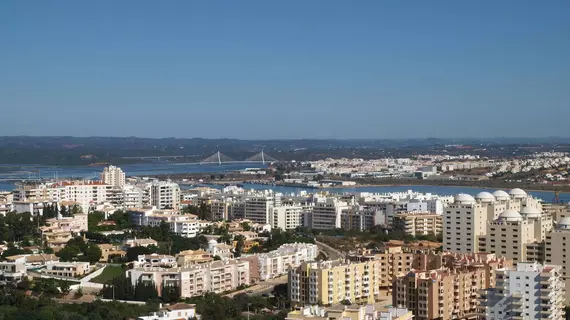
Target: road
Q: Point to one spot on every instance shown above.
(331, 253)
(260, 288)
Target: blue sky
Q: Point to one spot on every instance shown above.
(285, 69)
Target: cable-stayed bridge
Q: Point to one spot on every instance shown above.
(216, 158)
(220, 159)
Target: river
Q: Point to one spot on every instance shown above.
(16, 171)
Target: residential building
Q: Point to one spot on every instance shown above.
(277, 263)
(179, 311)
(109, 251)
(259, 209)
(12, 270)
(515, 236)
(191, 257)
(557, 250)
(450, 292)
(114, 176)
(186, 225)
(464, 221)
(129, 243)
(195, 280)
(331, 282)
(529, 291)
(352, 312)
(155, 260)
(327, 213)
(34, 260)
(133, 196)
(222, 250)
(287, 217)
(67, 269)
(419, 223)
(393, 261)
(165, 195)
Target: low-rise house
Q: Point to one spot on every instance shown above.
(68, 269)
(34, 260)
(155, 260)
(11, 270)
(192, 257)
(129, 243)
(222, 250)
(109, 251)
(177, 311)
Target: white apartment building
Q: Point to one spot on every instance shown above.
(133, 196)
(531, 291)
(196, 280)
(186, 225)
(276, 263)
(165, 195)
(259, 208)
(155, 260)
(327, 213)
(287, 217)
(114, 176)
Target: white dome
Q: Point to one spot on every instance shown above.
(530, 212)
(501, 195)
(464, 198)
(564, 223)
(485, 197)
(212, 242)
(517, 193)
(510, 215)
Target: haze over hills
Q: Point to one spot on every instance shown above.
(67, 150)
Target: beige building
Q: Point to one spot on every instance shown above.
(195, 280)
(331, 282)
(68, 269)
(192, 257)
(419, 223)
(451, 292)
(110, 251)
(259, 209)
(113, 176)
(393, 261)
(465, 220)
(557, 248)
(529, 291)
(518, 237)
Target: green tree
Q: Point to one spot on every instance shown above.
(240, 243)
(92, 253)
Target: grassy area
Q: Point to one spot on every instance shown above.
(108, 274)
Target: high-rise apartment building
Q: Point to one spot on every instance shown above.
(529, 291)
(332, 282)
(517, 236)
(165, 195)
(465, 220)
(557, 250)
(419, 223)
(447, 293)
(287, 217)
(259, 208)
(113, 176)
(327, 214)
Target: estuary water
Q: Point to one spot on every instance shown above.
(10, 173)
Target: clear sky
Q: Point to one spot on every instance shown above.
(285, 69)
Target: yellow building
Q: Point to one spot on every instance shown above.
(331, 282)
(419, 223)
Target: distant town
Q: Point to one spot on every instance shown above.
(208, 246)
